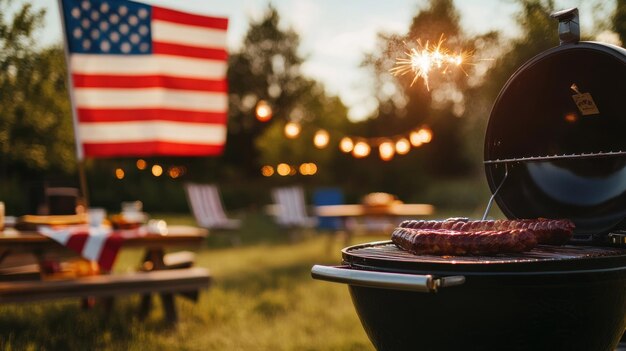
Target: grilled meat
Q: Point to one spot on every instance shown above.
(452, 242)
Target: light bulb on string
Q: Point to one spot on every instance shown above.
(119, 173)
(157, 170)
(292, 130)
(141, 164)
(308, 168)
(267, 171)
(425, 135)
(174, 172)
(361, 149)
(321, 139)
(263, 111)
(346, 144)
(403, 146)
(386, 150)
(415, 138)
(283, 169)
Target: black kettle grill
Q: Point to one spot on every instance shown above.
(554, 148)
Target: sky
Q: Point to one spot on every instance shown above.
(335, 34)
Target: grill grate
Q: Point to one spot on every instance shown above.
(557, 157)
(387, 251)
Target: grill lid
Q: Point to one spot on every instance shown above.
(558, 128)
(544, 259)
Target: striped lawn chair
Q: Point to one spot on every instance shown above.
(206, 205)
(291, 208)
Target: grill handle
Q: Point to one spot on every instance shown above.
(383, 280)
(569, 25)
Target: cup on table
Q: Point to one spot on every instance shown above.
(157, 226)
(96, 216)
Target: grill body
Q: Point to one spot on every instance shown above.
(574, 312)
(569, 298)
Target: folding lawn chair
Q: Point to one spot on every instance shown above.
(206, 205)
(291, 208)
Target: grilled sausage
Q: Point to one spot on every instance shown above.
(451, 242)
(547, 231)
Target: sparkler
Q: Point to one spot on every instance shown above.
(422, 60)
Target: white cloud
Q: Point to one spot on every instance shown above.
(346, 47)
(254, 10)
(304, 16)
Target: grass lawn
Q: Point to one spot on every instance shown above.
(262, 299)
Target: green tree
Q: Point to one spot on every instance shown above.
(36, 135)
(619, 20)
(35, 121)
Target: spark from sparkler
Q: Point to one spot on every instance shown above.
(422, 60)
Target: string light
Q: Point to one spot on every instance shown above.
(421, 136)
(267, 171)
(387, 147)
(283, 169)
(308, 168)
(263, 111)
(157, 170)
(141, 164)
(119, 173)
(386, 150)
(403, 146)
(361, 149)
(416, 139)
(425, 135)
(346, 144)
(321, 139)
(292, 130)
(175, 172)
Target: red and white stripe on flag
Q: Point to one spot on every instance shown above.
(146, 80)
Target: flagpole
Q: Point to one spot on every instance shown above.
(80, 156)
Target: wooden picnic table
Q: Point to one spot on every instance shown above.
(12, 241)
(156, 276)
(377, 219)
(359, 210)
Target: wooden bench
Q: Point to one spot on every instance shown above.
(165, 282)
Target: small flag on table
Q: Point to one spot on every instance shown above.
(146, 80)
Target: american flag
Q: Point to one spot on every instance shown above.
(146, 80)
